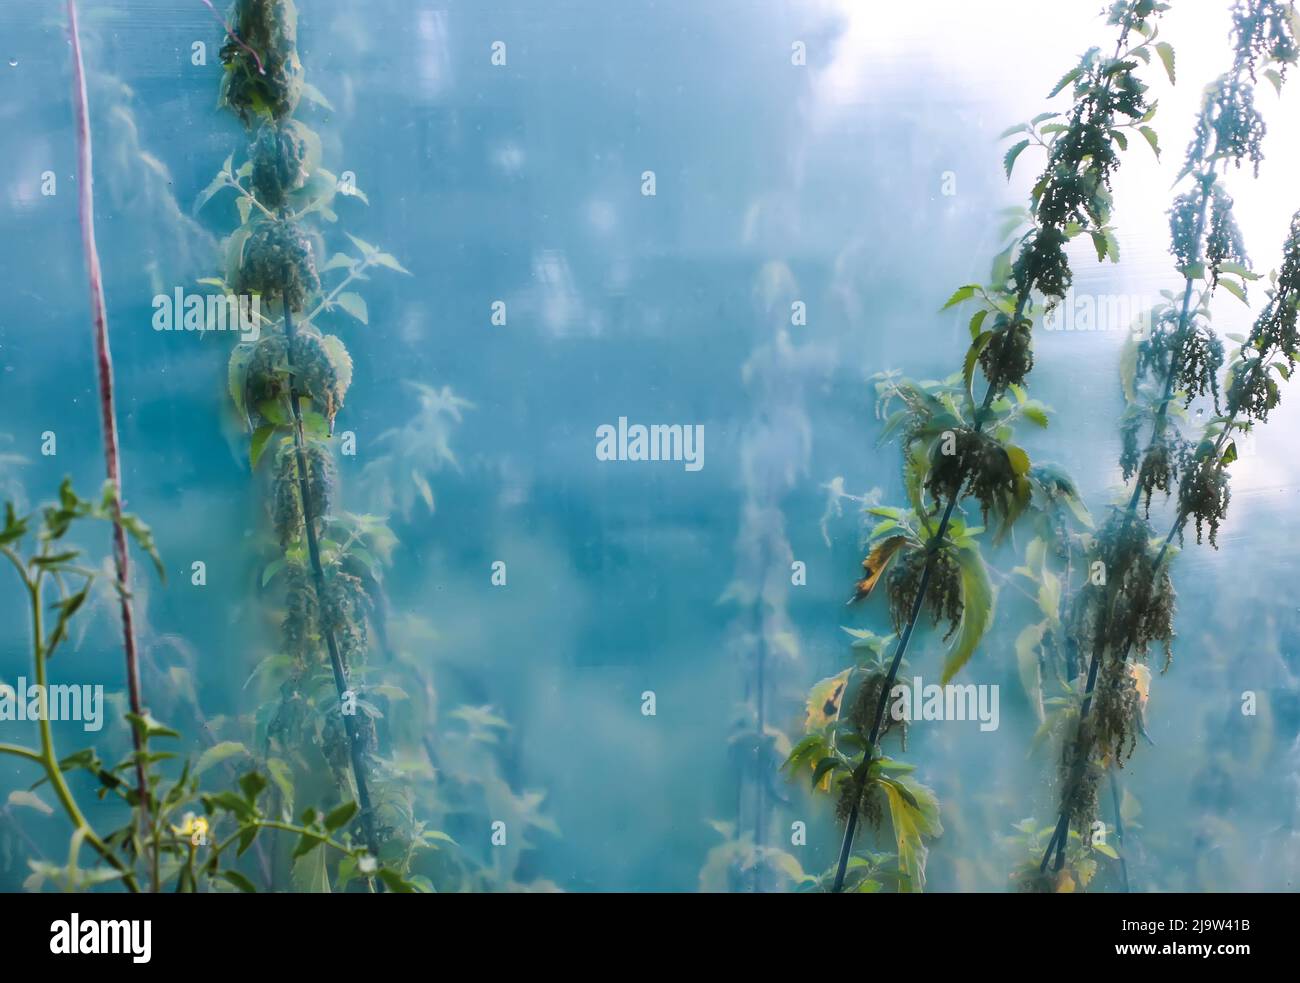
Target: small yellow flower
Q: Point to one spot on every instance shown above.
(194, 828)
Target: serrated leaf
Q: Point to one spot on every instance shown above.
(390, 261)
(1009, 159)
(914, 815)
(1166, 52)
(1152, 139)
(366, 248)
(875, 565)
(355, 305)
(1235, 289)
(1066, 79)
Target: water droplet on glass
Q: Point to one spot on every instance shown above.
(13, 62)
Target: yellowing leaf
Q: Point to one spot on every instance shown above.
(824, 701)
(875, 564)
(914, 813)
(1142, 678)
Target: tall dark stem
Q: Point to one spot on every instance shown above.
(318, 574)
(1060, 836)
(846, 846)
(108, 422)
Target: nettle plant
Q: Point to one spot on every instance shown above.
(351, 705)
(956, 448)
(1121, 604)
(176, 836)
(289, 387)
(186, 837)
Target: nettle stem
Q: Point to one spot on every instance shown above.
(846, 847)
(1061, 834)
(108, 423)
(318, 573)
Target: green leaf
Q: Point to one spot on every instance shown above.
(977, 610)
(1019, 459)
(272, 568)
(1166, 52)
(340, 816)
(394, 882)
(146, 726)
(1009, 159)
(238, 880)
(390, 261)
(1035, 412)
(338, 261)
(972, 357)
(252, 783)
(306, 844)
(365, 247)
(1066, 79)
(237, 373)
(1105, 849)
(1099, 243)
(914, 815)
(355, 305)
(216, 754)
(1236, 290)
(309, 875)
(961, 294)
(1031, 674)
(258, 444)
(216, 184)
(1152, 139)
(824, 767)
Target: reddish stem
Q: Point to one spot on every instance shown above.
(235, 37)
(107, 412)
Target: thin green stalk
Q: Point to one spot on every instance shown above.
(47, 758)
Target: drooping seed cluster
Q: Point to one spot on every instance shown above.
(943, 596)
(279, 264)
(979, 465)
(269, 27)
